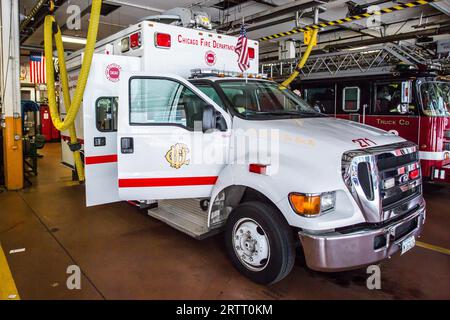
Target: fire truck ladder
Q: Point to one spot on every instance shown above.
(374, 60)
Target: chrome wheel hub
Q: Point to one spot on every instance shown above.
(251, 244)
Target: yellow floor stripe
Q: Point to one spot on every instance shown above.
(433, 247)
(8, 290)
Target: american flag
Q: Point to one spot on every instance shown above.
(242, 50)
(37, 69)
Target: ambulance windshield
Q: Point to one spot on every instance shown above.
(264, 99)
(435, 98)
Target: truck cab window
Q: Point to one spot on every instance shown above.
(211, 93)
(106, 114)
(162, 101)
(388, 98)
(435, 96)
(322, 99)
(351, 99)
(240, 98)
(264, 100)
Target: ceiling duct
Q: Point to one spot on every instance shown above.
(183, 17)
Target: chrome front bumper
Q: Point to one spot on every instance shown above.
(338, 251)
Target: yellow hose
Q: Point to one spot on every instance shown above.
(72, 106)
(285, 84)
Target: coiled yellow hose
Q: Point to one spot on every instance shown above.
(72, 105)
(285, 84)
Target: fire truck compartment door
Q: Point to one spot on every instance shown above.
(100, 106)
(163, 152)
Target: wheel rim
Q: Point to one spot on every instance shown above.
(251, 244)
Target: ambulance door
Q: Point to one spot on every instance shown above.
(100, 112)
(164, 149)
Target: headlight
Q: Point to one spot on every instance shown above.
(312, 205)
(327, 201)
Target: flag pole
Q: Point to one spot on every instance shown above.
(245, 73)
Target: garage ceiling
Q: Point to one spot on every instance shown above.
(121, 14)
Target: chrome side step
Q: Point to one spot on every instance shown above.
(184, 215)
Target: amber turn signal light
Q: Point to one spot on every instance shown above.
(305, 205)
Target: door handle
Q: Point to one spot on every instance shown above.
(126, 145)
(99, 141)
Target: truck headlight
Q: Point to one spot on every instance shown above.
(327, 201)
(312, 205)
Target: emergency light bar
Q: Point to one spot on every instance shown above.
(135, 40)
(131, 42)
(163, 40)
(251, 53)
(209, 72)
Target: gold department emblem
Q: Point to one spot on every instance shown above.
(177, 155)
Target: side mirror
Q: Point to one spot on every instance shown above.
(209, 118)
(212, 119)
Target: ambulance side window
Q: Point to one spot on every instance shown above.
(351, 99)
(106, 114)
(156, 101)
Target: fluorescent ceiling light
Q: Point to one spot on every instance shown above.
(70, 39)
(358, 48)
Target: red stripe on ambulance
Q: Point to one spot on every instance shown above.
(101, 159)
(167, 182)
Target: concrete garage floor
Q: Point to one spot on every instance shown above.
(124, 254)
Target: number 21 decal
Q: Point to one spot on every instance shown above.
(364, 142)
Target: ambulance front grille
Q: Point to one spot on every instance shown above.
(398, 167)
(384, 181)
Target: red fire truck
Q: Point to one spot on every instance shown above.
(389, 87)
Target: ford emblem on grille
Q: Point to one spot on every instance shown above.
(403, 178)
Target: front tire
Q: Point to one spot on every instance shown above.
(259, 242)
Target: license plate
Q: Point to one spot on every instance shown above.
(408, 244)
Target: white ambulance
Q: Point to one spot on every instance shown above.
(211, 150)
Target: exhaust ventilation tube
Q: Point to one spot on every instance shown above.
(51, 29)
(285, 84)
